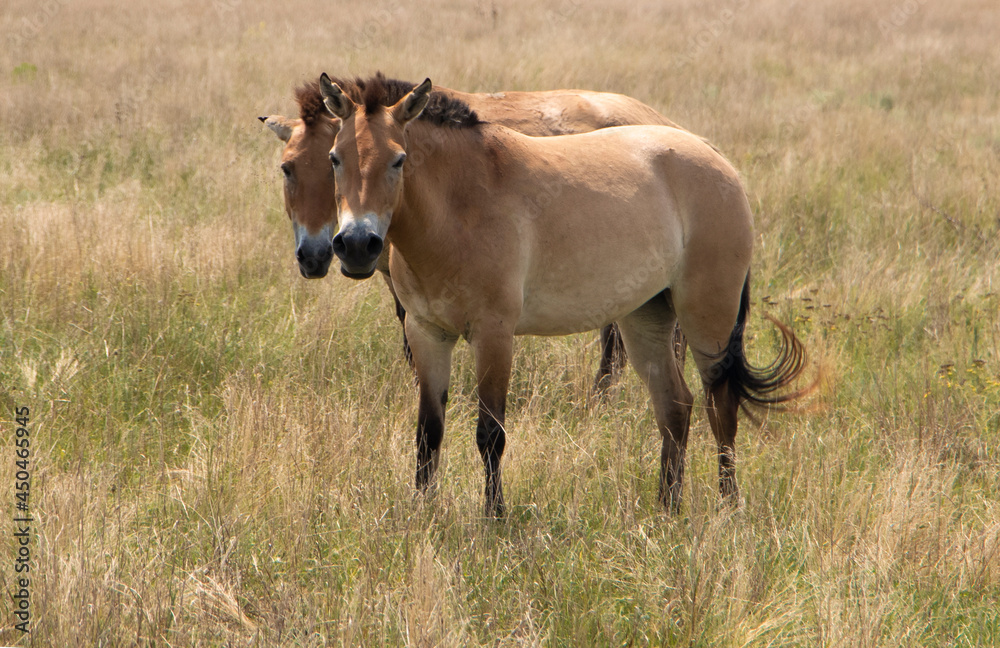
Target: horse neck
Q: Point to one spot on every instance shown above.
(444, 164)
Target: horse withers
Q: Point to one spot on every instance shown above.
(641, 225)
(309, 185)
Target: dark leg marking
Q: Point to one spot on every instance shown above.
(613, 358)
(723, 416)
(430, 432)
(492, 439)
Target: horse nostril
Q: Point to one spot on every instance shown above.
(326, 254)
(339, 247)
(300, 254)
(308, 266)
(375, 246)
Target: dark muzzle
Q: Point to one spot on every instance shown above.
(358, 249)
(314, 258)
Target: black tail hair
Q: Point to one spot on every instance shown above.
(758, 385)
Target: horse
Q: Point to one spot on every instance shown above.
(495, 234)
(309, 183)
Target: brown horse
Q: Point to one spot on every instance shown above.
(495, 234)
(309, 183)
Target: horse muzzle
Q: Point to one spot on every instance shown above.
(314, 258)
(358, 249)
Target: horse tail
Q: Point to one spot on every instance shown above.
(758, 385)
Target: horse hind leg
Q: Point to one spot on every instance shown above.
(680, 347)
(716, 356)
(649, 336)
(723, 407)
(722, 404)
(731, 382)
(613, 358)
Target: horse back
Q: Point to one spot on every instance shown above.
(560, 112)
(627, 212)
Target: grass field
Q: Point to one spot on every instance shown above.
(222, 452)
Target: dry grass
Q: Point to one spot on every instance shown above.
(223, 452)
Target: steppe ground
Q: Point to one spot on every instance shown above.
(222, 452)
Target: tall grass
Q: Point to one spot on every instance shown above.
(224, 452)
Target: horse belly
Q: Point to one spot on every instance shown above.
(573, 306)
(612, 248)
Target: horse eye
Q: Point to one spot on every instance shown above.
(398, 164)
(286, 168)
(334, 160)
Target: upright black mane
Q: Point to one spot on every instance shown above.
(311, 108)
(379, 92)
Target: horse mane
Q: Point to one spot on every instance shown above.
(379, 92)
(312, 110)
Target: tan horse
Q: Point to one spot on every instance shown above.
(495, 234)
(309, 183)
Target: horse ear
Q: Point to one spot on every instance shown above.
(410, 106)
(282, 126)
(334, 98)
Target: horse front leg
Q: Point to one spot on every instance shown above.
(494, 356)
(431, 350)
